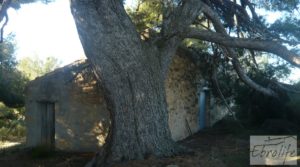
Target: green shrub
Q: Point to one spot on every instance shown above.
(12, 123)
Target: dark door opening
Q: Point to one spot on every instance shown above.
(47, 124)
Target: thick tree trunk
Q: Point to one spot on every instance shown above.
(131, 74)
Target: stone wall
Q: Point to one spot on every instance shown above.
(81, 117)
(183, 84)
(181, 94)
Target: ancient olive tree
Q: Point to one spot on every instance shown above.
(132, 70)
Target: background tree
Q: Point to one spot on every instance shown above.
(15, 75)
(12, 84)
(146, 15)
(12, 81)
(33, 67)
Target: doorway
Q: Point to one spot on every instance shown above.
(47, 124)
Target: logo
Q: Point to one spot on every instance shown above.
(273, 150)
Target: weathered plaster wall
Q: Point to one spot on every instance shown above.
(81, 117)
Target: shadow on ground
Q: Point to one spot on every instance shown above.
(214, 147)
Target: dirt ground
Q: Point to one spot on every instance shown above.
(211, 148)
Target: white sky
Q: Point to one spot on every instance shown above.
(45, 30)
(49, 30)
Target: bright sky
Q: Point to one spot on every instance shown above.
(45, 30)
(49, 30)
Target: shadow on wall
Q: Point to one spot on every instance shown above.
(81, 118)
(83, 113)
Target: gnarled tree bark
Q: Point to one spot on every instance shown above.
(132, 72)
(132, 77)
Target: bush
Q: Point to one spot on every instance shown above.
(12, 123)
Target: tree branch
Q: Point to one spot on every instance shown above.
(243, 76)
(181, 17)
(254, 44)
(4, 6)
(287, 87)
(3, 14)
(3, 26)
(231, 53)
(174, 24)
